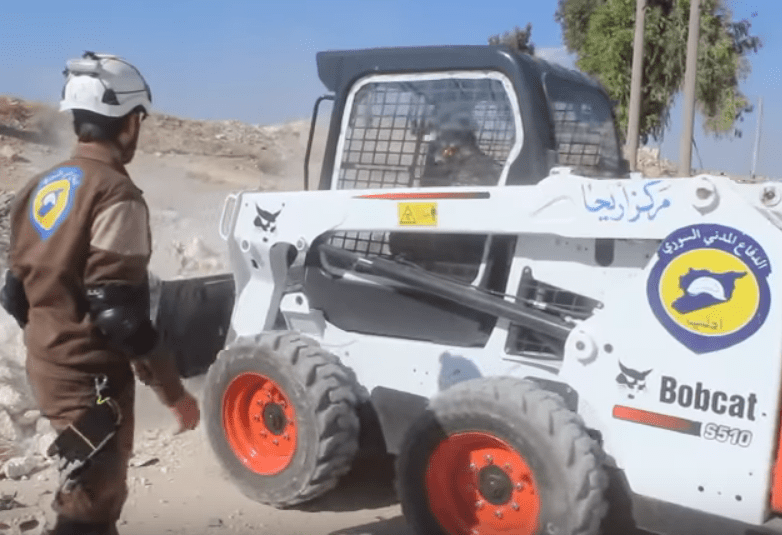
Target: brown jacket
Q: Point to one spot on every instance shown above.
(84, 222)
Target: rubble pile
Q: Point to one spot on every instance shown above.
(25, 435)
(30, 133)
(196, 258)
(14, 113)
(652, 165)
(17, 518)
(271, 148)
(5, 230)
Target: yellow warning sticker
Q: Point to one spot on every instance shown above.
(417, 214)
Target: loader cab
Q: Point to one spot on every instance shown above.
(434, 117)
(395, 107)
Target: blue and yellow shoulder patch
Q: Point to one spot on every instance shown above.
(52, 199)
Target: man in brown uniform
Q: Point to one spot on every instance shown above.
(78, 284)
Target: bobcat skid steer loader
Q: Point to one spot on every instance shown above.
(546, 342)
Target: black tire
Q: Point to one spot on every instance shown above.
(565, 462)
(322, 394)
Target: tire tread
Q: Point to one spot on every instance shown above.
(330, 388)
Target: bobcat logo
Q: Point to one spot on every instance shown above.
(266, 221)
(632, 380)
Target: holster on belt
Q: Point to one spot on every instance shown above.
(84, 438)
(78, 443)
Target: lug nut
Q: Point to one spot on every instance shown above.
(276, 442)
(519, 486)
(286, 436)
(479, 504)
(264, 433)
(489, 459)
(473, 467)
(498, 513)
(515, 506)
(508, 466)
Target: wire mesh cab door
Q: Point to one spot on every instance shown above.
(431, 130)
(584, 127)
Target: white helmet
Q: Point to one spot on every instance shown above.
(104, 84)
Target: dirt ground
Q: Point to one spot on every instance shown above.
(176, 485)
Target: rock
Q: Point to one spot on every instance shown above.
(143, 460)
(43, 426)
(7, 332)
(18, 467)
(23, 521)
(198, 250)
(215, 522)
(197, 257)
(6, 375)
(28, 417)
(43, 442)
(12, 400)
(7, 151)
(9, 432)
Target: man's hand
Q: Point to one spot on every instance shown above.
(186, 411)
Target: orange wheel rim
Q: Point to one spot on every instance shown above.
(259, 423)
(479, 485)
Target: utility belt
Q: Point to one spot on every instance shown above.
(79, 443)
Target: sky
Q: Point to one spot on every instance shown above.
(254, 60)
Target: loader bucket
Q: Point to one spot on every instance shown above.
(193, 318)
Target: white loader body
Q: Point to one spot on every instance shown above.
(680, 375)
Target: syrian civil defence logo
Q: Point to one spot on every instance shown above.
(709, 287)
(52, 200)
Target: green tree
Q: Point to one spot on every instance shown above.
(600, 32)
(518, 40)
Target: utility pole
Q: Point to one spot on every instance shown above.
(635, 86)
(757, 139)
(685, 149)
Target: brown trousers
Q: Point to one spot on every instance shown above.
(63, 394)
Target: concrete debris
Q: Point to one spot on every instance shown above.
(5, 229)
(9, 431)
(42, 443)
(29, 418)
(651, 165)
(8, 502)
(18, 467)
(196, 258)
(6, 374)
(7, 151)
(142, 461)
(43, 426)
(12, 400)
(23, 521)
